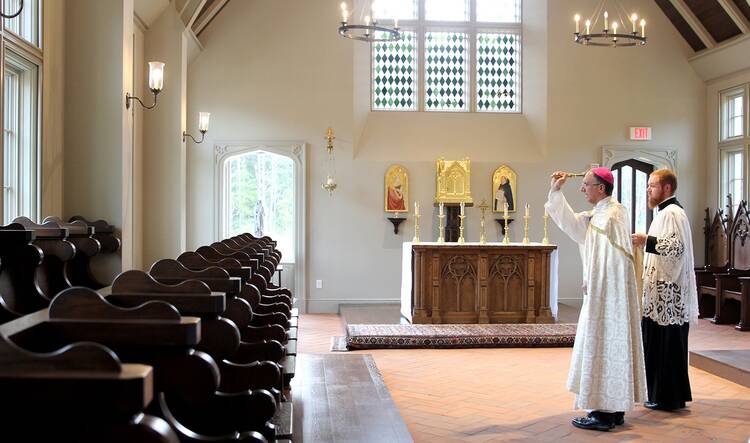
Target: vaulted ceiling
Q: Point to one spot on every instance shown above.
(704, 24)
(195, 14)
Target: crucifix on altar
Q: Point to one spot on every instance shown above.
(453, 187)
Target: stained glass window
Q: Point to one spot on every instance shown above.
(446, 71)
(394, 74)
(497, 72)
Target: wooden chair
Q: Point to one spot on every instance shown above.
(728, 286)
(717, 261)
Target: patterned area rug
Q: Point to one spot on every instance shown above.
(460, 336)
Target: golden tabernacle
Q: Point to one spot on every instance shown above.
(473, 283)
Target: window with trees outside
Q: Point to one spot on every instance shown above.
(453, 56)
(631, 180)
(21, 109)
(259, 196)
(734, 145)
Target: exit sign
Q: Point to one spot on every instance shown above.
(640, 133)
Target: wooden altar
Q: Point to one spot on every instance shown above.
(473, 283)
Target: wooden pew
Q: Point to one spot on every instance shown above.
(81, 235)
(186, 380)
(104, 233)
(52, 240)
(728, 286)
(266, 331)
(79, 392)
(19, 261)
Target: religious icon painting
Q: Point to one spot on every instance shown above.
(396, 189)
(504, 189)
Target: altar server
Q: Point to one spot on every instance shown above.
(670, 298)
(607, 370)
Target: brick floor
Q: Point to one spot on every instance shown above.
(514, 395)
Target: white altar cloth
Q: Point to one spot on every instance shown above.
(407, 280)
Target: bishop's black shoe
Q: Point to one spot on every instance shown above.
(617, 418)
(594, 422)
(664, 406)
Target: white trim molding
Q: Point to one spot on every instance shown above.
(659, 157)
(295, 150)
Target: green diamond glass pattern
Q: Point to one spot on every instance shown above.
(446, 71)
(497, 76)
(394, 74)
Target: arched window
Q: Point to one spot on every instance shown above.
(631, 179)
(258, 193)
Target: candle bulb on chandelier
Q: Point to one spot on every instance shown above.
(634, 19)
(395, 23)
(588, 26)
(614, 30)
(643, 28)
(577, 18)
(606, 16)
(344, 12)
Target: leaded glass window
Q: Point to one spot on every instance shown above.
(445, 71)
(455, 56)
(394, 68)
(497, 72)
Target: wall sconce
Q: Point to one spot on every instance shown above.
(202, 127)
(20, 8)
(155, 84)
(330, 183)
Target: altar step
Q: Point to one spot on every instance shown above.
(343, 398)
(732, 365)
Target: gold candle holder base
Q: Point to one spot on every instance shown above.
(461, 230)
(525, 230)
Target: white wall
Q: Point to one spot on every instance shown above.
(53, 104)
(278, 71)
(98, 71)
(164, 162)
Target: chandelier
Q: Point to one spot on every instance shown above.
(611, 35)
(370, 31)
(330, 183)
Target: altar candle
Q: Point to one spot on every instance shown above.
(462, 208)
(416, 208)
(441, 207)
(505, 210)
(527, 209)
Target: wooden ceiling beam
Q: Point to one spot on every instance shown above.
(736, 15)
(209, 15)
(694, 22)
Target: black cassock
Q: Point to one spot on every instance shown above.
(670, 303)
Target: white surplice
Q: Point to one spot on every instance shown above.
(607, 368)
(669, 293)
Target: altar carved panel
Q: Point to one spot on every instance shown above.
(481, 284)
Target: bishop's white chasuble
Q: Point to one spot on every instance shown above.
(607, 368)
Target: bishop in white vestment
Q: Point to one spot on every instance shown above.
(670, 298)
(607, 369)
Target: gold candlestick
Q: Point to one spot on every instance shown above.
(482, 238)
(506, 238)
(461, 225)
(441, 225)
(526, 226)
(545, 240)
(461, 230)
(416, 223)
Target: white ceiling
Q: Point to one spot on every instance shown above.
(149, 10)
